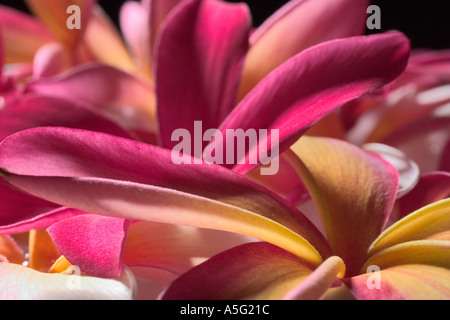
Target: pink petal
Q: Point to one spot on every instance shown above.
(128, 99)
(254, 271)
(406, 282)
(200, 55)
(175, 248)
(137, 181)
(315, 82)
(50, 60)
(40, 111)
(354, 192)
(445, 160)
(134, 24)
(319, 281)
(432, 187)
(22, 35)
(93, 243)
(296, 26)
(104, 42)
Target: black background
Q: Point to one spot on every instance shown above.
(426, 22)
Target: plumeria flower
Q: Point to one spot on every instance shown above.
(354, 190)
(230, 59)
(45, 274)
(410, 114)
(232, 64)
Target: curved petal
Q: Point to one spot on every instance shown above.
(128, 99)
(200, 55)
(54, 14)
(432, 187)
(21, 35)
(137, 181)
(43, 252)
(354, 191)
(317, 81)
(40, 111)
(316, 284)
(429, 252)
(406, 282)
(105, 43)
(22, 283)
(254, 271)
(296, 26)
(285, 182)
(134, 25)
(423, 223)
(175, 248)
(10, 250)
(445, 160)
(50, 60)
(93, 243)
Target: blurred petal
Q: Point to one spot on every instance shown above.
(137, 181)
(105, 43)
(200, 55)
(175, 248)
(296, 26)
(316, 284)
(93, 243)
(432, 187)
(256, 271)
(317, 81)
(445, 162)
(50, 60)
(353, 189)
(54, 14)
(134, 24)
(42, 250)
(21, 35)
(40, 111)
(425, 222)
(406, 282)
(22, 283)
(125, 97)
(408, 171)
(10, 250)
(429, 252)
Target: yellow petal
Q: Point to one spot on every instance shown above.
(42, 250)
(353, 190)
(429, 252)
(421, 224)
(60, 266)
(408, 282)
(10, 250)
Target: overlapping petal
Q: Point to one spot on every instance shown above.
(175, 248)
(296, 26)
(93, 243)
(54, 14)
(21, 35)
(405, 282)
(354, 190)
(423, 223)
(22, 283)
(137, 181)
(128, 99)
(253, 271)
(200, 56)
(317, 81)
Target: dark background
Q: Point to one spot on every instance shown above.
(426, 22)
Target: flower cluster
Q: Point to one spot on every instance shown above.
(93, 206)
